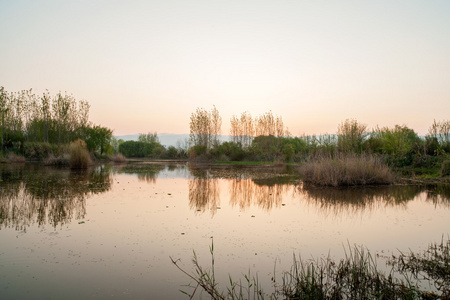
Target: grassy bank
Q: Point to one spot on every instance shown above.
(423, 275)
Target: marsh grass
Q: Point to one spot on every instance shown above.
(79, 155)
(357, 276)
(346, 170)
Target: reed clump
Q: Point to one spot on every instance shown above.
(79, 155)
(118, 158)
(346, 170)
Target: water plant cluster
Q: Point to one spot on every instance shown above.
(412, 276)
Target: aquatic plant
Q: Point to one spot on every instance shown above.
(357, 276)
(346, 170)
(432, 265)
(205, 279)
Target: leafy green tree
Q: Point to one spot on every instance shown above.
(150, 138)
(98, 138)
(135, 149)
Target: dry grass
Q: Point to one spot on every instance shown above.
(79, 156)
(14, 158)
(118, 158)
(346, 170)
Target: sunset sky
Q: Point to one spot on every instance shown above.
(145, 66)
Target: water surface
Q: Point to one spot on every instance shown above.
(108, 232)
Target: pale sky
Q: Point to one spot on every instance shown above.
(145, 66)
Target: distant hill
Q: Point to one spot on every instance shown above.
(166, 139)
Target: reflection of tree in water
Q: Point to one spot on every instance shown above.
(263, 187)
(339, 200)
(144, 171)
(438, 194)
(236, 171)
(31, 194)
(266, 193)
(204, 192)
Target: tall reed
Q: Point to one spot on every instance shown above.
(346, 170)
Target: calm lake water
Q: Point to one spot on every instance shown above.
(108, 232)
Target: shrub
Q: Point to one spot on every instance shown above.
(346, 170)
(445, 170)
(79, 156)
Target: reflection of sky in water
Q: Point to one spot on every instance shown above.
(135, 217)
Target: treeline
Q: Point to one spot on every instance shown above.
(265, 138)
(36, 125)
(149, 146)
